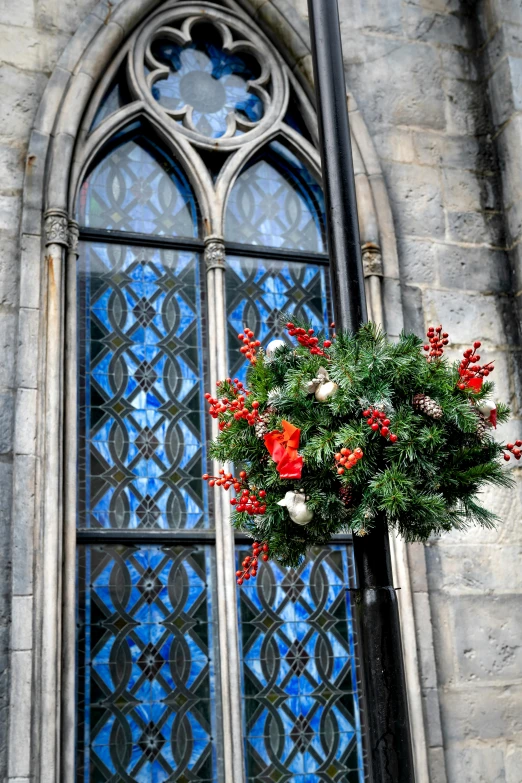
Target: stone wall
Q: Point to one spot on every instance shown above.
(439, 85)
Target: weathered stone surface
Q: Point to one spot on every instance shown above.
(6, 422)
(475, 765)
(21, 93)
(22, 635)
(473, 268)
(19, 724)
(418, 260)
(463, 311)
(416, 199)
(486, 713)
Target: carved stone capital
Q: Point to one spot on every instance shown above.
(74, 236)
(214, 253)
(372, 260)
(56, 227)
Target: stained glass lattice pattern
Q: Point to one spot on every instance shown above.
(258, 290)
(212, 82)
(301, 707)
(141, 366)
(276, 202)
(145, 665)
(138, 188)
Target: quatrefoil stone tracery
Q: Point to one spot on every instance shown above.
(219, 90)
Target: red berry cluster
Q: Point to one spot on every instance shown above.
(251, 562)
(438, 339)
(471, 370)
(250, 345)
(250, 499)
(307, 339)
(236, 405)
(378, 421)
(347, 459)
(514, 448)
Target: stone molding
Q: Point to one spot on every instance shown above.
(73, 236)
(372, 260)
(215, 256)
(56, 227)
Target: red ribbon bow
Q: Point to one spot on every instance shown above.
(283, 450)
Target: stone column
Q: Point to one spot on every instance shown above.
(225, 553)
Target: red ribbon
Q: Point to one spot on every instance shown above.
(283, 450)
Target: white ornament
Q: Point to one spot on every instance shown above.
(321, 386)
(272, 347)
(488, 409)
(299, 512)
(325, 390)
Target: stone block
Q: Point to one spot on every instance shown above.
(428, 148)
(21, 92)
(467, 152)
(477, 228)
(372, 17)
(20, 718)
(7, 340)
(395, 144)
(513, 764)
(478, 568)
(413, 313)
(391, 293)
(12, 161)
(417, 566)
(465, 113)
(509, 142)
(30, 264)
(424, 632)
(481, 713)
(487, 634)
(27, 359)
(6, 422)
(460, 64)
(428, 25)
(23, 528)
(8, 269)
(505, 90)
(514, 221)
(31, 49)
(397, 84)
(416, 200)
(431, 709)
(22, 622)
(475, 764)
(34, 187)
(19, 14)
(507, 11)
(26, 421)
(465, 191)
(10, 210)
(464, 312)
(437, 765)
(417, 260)
(515, 255)
(66, 17)
(473, 268)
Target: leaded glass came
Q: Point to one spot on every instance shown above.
(301, 706)
(277, 203)
(137, 188)
(145, 665)
(142, 445)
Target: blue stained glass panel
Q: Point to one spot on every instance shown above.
(258, 290)
(146, 697)
(136, 187)
(212, 82)
(142, 437)
(277, 203)
(301, 702)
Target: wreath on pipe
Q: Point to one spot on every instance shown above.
(331, 433)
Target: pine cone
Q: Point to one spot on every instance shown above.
(346, 496)
(261, 425)
(424, 404)
(482, 424)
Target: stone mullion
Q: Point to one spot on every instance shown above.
(232, 731)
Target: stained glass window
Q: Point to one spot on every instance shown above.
(276, 203)
(138, 188)
(141, 386)
(260, 289)
(145, 664)
(212, 82)
(301, 707)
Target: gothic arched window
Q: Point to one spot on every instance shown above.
(200, 212)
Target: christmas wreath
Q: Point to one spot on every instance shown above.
(330, 433)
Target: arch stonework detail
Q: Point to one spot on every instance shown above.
(46, 291)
